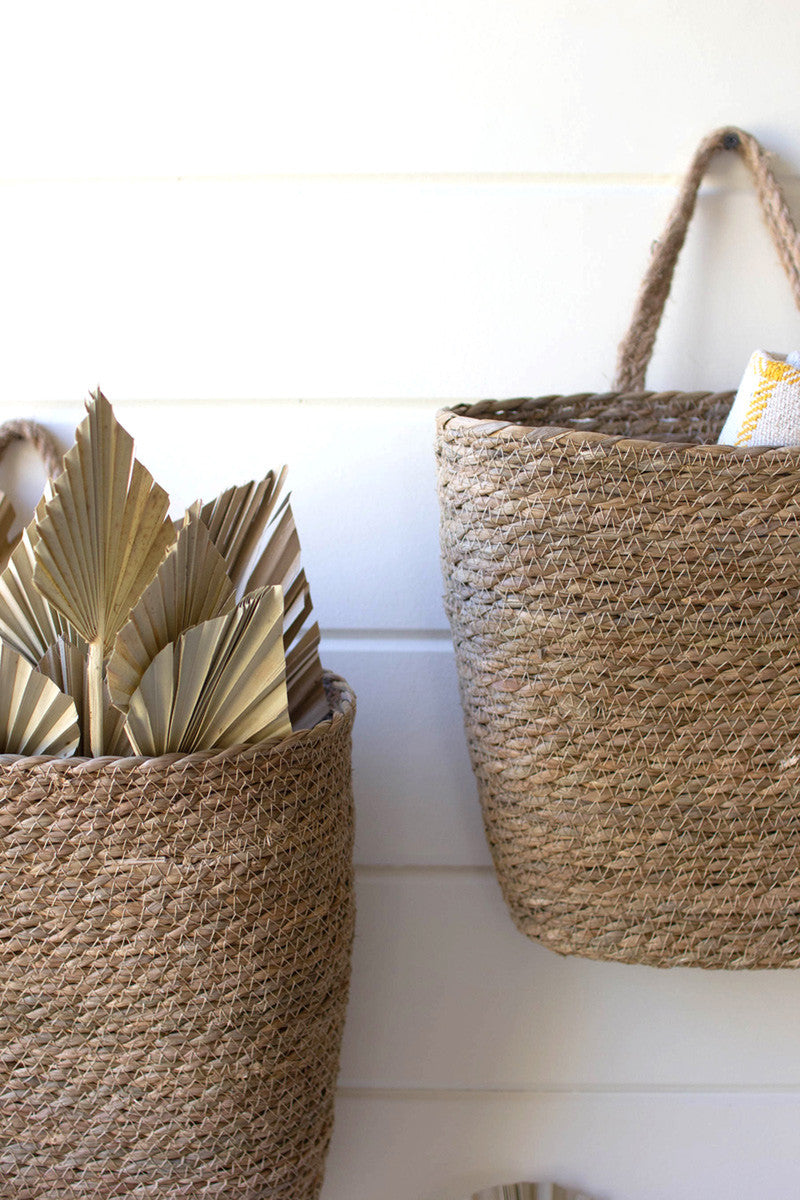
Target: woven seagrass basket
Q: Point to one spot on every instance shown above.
(174, 968)
(624, 597)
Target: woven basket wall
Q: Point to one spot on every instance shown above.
(174, 967)
(624, 598)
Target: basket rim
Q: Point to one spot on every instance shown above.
(495, 417)
(342, 700)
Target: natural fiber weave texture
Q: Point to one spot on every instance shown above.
(626, 627)
(174, 968)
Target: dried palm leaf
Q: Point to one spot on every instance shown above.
(115, 731)
(100, 541)
(28, 622)
(66, 665)
(278, 555)
(237, 519)
(308, 703)
(191, 586)
(279, 563)
(35, 716)
(105, 531)
(297, 608)
(262, 549)
(220, 684)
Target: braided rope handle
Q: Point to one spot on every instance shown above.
(636, 347)
(40, 438)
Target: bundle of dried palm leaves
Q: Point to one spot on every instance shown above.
(122, 632)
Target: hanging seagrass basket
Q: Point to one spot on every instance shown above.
(623, 597)
(174, 967)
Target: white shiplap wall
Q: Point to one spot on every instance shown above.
(289, 233)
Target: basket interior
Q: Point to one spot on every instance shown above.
(695, 417)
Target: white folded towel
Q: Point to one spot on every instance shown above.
(766, 410)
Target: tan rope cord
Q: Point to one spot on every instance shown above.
(636, 347)
(39, 437)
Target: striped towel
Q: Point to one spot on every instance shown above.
(766, 411)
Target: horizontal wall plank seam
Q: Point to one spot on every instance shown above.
(558, 179)
(744, 1091)
(381, 641)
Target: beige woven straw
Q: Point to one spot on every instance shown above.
(623, 596)
(174, 967)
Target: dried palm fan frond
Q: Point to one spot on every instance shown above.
(190, 586)
(28, 622)
(236, 520)
(66, 664)
(279, 562)
(220, 684)
(139, 630)
(258, 539)
(35, 716)
(100, 541)
(308, 703)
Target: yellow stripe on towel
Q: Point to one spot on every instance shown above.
(773, 373)
(766, 410)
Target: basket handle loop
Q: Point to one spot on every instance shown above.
(637, 346)
(40, 438)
